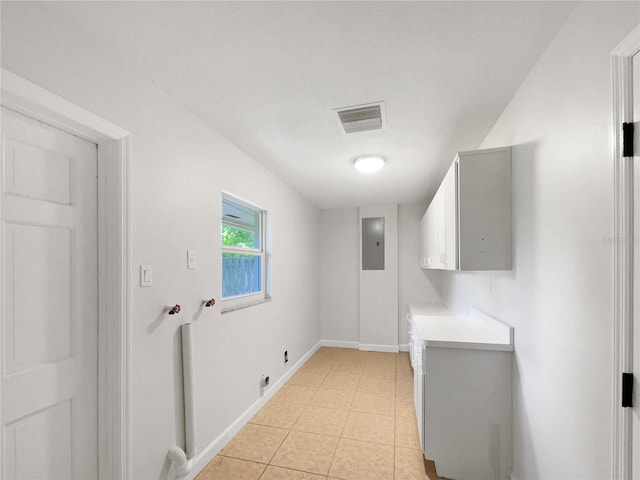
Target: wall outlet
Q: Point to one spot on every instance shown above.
(286, 356)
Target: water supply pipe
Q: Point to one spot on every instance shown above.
(183, 459)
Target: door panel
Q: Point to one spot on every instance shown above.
(38, 286)
(49, 302)
(36, 173)
(41, 444)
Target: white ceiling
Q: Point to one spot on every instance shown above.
(268, 76)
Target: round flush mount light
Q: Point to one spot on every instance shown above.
(369, 163)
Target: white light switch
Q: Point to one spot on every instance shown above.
(191, 259)
(146, 276)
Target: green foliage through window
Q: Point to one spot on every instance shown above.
(237, 237)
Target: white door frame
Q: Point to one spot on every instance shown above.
(113, 143)
(622, 65)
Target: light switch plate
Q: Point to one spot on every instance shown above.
(191, 259)
(146, 275)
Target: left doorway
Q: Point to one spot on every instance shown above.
(49, 302)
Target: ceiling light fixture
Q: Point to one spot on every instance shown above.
(369, 163)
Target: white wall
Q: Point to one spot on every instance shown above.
(179, 167)
(340, 262)
(340, 281)
(559, 294)
(415, 285)
(379, 288)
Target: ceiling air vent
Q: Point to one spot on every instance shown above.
(362, 118)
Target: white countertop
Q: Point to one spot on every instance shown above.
(438, 327)
(429, 309)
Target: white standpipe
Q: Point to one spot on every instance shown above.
(183, 459)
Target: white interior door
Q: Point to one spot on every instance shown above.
(49, 302)
(636, 326)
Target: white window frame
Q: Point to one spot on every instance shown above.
(229, 304)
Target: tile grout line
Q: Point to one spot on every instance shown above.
(294, 423)
(338, 442)
(333, 363)
(345, 420)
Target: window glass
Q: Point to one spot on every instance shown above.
(243, 259)
(241, 274)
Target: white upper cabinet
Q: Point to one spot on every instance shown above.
(467, 226)
(429, 244)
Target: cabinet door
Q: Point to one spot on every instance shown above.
(440, 201)
(420, 396)
(450, 225)
(429, 238)
(424, 241)
(432, 236)
(439, 226)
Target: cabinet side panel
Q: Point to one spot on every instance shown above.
(451, 208)
(484, 195)
(467, 412)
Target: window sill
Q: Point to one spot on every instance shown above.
(233, 308)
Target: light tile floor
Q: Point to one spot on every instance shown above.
(345, 415)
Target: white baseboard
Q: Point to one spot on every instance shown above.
(339, 344)
(210, 451)
(365, 346)
(378, 348)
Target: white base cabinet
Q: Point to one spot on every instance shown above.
(462, 392)
(467, 412)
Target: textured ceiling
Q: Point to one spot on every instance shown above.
(268, 76)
